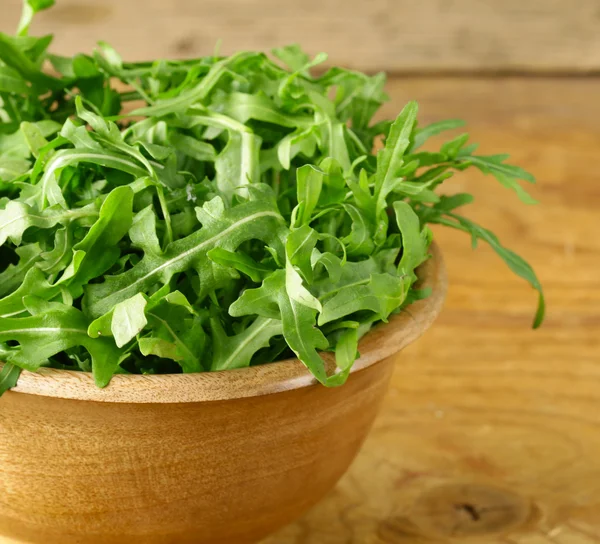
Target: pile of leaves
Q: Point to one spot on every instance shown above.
(235, 215)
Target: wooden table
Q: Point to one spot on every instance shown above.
(491, 429)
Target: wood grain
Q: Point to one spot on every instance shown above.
(392, 35)
(222, 472)
(492, 430)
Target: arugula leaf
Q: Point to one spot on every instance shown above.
(359, 243)
(238, 164)
(17, 217)
(421, 135)
(12, 82)
(237, 213)
(301, 141)
(30, 8)
(506, 174)
(309, 184)
(12, 277)
(9, 376)
(98, 250)
(222, 228)
(414, 239)
(124, 322)
(390, 158)
(53, 328)
(237, 351)
(272, 300)
(299, 248)
(239, 261)
(382, 294)
(243, 106)
(514, 261)
(14, 57)
(35, 283)
(176, 332)
(346, 352)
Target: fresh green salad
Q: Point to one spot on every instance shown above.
(211, 214)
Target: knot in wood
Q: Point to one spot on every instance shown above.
(463, 510)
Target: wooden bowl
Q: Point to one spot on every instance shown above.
(219, 458)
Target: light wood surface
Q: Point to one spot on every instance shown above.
(491, 429)
(393, 35)
(190, 469)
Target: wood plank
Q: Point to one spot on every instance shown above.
(398, 35)
(490, 426)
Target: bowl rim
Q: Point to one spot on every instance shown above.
(381, 342)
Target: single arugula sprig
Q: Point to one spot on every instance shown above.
(237, 217)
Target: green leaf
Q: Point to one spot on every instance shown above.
(301, 141)
(417, 191)
(30, 8)
(390, 158)
(11, 169)
(414, 240)
(159, 348)
(239, 261)
(453, 147)
(85, 67)
(245, 214)
(334, 187)
(506, 174)
(243, 106)
(13, 146)
(55, 330)
(111, 59)
(309, 181)
(382, 294)
(238, 164)
(35, 138)
(272, 300)
(12, 277)
(359, 243)
(108, 134)
(124, 322)
(176, 335)
(50, 192)
(17, 217)
(198, 93)
(293, 56)
(516, 263)
(449, 203)
(346, 352)
(56, 259)
(423, 134)
(143, 232)
(12, 82)
(299, 247)
(227, 229)
(330, 262)
(98, 250)
(34, 283)
(13, 56)
(297, 291)
(9, 376)
(300, 332)
(237, 351)
(128, 319)
(192, 147)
